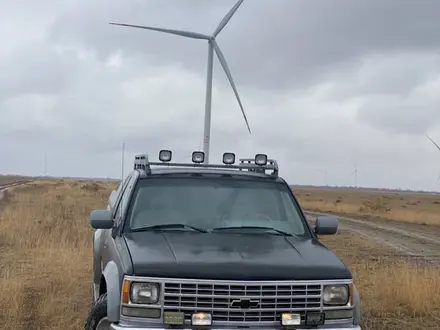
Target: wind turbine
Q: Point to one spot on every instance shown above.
(436, 145)
(212, 47)
(355, 173)
(433, 142)
(325, 175)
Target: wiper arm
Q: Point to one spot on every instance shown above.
(254, 227)
(169, 226)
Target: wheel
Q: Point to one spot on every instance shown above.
(97, 319)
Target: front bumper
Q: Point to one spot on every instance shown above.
(332, 327)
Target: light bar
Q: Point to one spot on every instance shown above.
(260, 159)
(228, 158)
(198, 157)
(165, 155)
(260, 163)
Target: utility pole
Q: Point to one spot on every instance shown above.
(45, 164)
(355, 177)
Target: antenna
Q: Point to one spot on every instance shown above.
(212, 47)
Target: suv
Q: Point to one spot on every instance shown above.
(226, 246)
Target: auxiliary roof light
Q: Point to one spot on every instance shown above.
(165, 155)
(198, 157)
(261, 159)
(228, 158)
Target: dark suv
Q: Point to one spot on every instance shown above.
(226, 246)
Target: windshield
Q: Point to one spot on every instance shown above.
(209, 203)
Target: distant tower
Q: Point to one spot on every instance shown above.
(45, 164)
(122, 161)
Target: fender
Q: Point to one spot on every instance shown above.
(357, 307)
(97, 247)
(111, 275)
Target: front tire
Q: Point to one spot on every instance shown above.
(97, 319)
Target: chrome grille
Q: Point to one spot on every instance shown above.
(216, 298)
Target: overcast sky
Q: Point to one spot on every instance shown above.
(326, 85)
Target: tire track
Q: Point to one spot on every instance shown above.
(417, 241)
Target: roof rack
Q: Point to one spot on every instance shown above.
(259, 164)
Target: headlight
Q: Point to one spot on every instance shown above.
(336, 294)
(144, 293)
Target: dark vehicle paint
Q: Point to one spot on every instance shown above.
(232, 256)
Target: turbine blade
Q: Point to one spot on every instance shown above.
(433, 141)
(222, 60)
(226, 19)
(187, 34)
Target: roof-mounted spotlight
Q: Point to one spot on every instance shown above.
(198, 157)
(165, 155)
(228, 158)
(260, 159)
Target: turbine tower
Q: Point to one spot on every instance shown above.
(212, 47)
(325, 175)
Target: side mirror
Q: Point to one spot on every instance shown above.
(101, 219)
(326, 225)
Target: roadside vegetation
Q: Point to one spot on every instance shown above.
(403, 207)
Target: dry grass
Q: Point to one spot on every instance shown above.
(45, 254)
(45, 264)
(396, 293)
(414, 208)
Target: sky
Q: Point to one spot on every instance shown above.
(327, 86)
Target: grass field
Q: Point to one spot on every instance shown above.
(45, 264)
(415, 208)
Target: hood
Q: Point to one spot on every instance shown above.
(226, 256)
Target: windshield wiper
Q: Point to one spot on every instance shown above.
(169, 226)
(254, 227)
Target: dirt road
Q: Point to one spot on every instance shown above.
(416, 241)
(4, 188)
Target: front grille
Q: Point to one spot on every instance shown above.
(268, 300)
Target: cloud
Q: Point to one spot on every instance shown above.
(325, 86)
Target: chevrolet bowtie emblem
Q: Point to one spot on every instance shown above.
(245, 303)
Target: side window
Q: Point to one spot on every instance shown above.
(123, 202)
(122, 186)
(118, 193)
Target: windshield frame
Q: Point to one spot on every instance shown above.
(126, 228)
